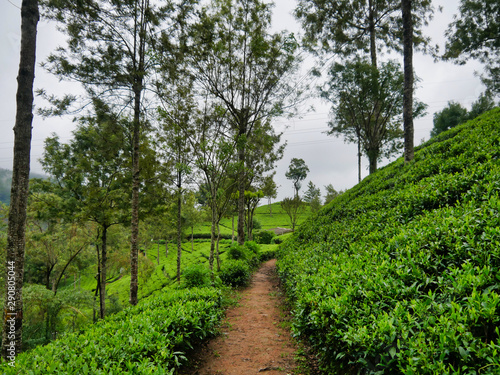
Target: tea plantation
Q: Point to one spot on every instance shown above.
(400, 275)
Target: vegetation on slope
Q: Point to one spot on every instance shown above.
(401, 273)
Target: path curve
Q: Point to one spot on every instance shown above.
(252, 341)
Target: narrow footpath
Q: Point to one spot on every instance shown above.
(253, 340)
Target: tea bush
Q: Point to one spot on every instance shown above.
(195, 276)
(400, 275)
(150, 338)
(235, 273)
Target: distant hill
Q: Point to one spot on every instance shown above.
(5, 181)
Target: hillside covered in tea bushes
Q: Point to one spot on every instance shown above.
(400, 275)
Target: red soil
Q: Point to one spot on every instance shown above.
(252, 341)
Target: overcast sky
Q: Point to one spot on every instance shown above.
(329, 159)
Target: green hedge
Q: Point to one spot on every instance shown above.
(150, 338)
(400, 275)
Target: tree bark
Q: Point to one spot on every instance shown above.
(408, 78)
(241, 189)
(102, 284)
(13, 306)
(134, 238)
(179, 228)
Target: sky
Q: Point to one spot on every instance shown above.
(329, 159)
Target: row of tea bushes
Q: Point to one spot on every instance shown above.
(150, 338)
(400, 275)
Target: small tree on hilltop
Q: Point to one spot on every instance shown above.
(297, 171)
(293, 207)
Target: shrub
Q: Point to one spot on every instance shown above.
(277, 240)
(237, 252)
(252, 246)
(264, 237)
(196, 275)
(235, 273)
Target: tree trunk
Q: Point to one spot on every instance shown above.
(212, 240)
(134, 238)
(217, 249)
(13, 305)
(179, 232)
(373, 42)
(102, 284)
(241, 187)
(408, 79)
(359, 159)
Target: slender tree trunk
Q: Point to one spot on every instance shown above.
(179, 231)
(212, 240)
(158, 253)
(408, 78)
(241, 187)
(359, 159)
(13, 305)
(102, 284)
(217, 249)
(232, 233)
(98, 277)
(134, 238)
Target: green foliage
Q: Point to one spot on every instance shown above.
(474, 34)
(264, 236)
(297, 171)
(195, 276)
(237, 252)
(150, 338)
(399, 275)
(235, 273)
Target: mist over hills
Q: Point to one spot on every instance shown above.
(5, 182)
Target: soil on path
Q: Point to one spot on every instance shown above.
(252, 341)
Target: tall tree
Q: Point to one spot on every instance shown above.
(474, 35)
(112, 50)
(348, 28)
(13, 305)
(406, 10)
(313, 196)
(297, 172)
(90, 175)
(249, 70)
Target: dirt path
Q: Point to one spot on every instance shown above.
(253, 340)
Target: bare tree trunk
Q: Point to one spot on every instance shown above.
(217, 249)
(241, 190)
(134, 238)
(102, 284)
(13, 305)
(408, 79)
(179, 231)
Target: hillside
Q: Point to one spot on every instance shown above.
(5, 181)
(400, 275)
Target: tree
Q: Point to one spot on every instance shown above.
(331, 193)
(346, 28)
(313, 197)
(89, 178)
(474, 35)
(297, 171)
(455, 114)
(112, 49)
(13, 305)
(252, 199)
(406, 10)
(366, 106)
(269, 189)
(250, 71)
(293, 207)
(449, 117)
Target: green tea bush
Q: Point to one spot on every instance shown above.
(264, 237)
(149, 338)
(235, 273)
(195, 276)
(237, 252)
(400, 274)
